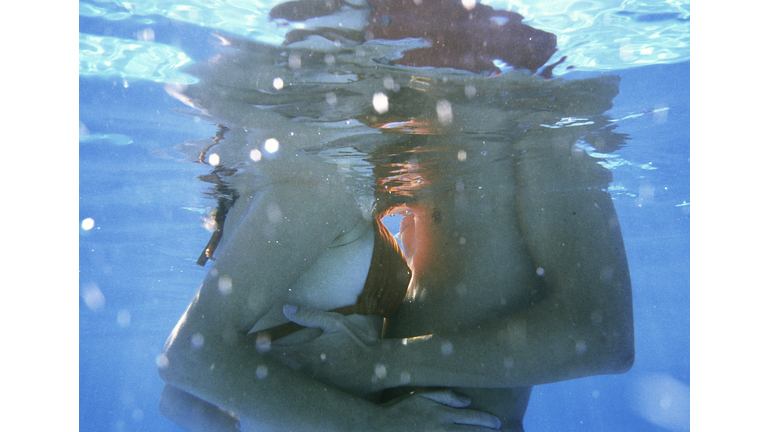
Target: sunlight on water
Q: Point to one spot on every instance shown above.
(601, 35)
(135, 59)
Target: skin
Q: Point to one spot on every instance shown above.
(263, 259)
(488, 325)
(519, 278)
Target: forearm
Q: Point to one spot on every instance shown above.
(537, 346)
(583, 326)
(227, 371)
(195, 414)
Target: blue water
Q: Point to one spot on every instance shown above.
(137, 262)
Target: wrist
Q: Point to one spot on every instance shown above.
(389, 367)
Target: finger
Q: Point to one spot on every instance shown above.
(465, 428)
(330, 322)
(446, 397)
(308, 317)
(476, 418)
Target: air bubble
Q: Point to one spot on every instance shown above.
(255, 155)
(380, 370)
(444, 112)
(197, 341)
(294, 61)
(271, 145)
(123, 318)
(225, 285)
(380, 103)
(581, 347)
(262, 371)
(162, 361)
(446, 348)
(87, 224)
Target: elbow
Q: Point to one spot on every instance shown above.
(164, 368)
(623, 360)
(619, 356)
(169, 362)
(606, 352)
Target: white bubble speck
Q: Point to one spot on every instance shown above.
(380, 103)
(197, 340)
(330, 97)
(470, 91)
(469, 4)
(162, 361)
(380, 370)
(461, 156)
(225, 285)
(444, 112)
(255, 155)
(213, 159)
(446, 348)
(262, 371)
(390, 84)
(123, 318)
(137, 415)
(581, 347)
(93, 297)
(540, 271)
(663, 401)
(294, 61)
(271, 145)
(277, 83)
(87, 224)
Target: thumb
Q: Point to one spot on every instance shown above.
(446, 397)
(309, 317)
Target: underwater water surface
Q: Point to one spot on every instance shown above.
(142, 208)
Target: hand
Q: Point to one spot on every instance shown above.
(344, 355)
(440, 410)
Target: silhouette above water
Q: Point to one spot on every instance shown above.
(461, 37)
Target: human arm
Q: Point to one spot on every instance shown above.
(193, 413)
(580, 326)
(440, 410)
(210, 356)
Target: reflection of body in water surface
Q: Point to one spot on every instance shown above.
(461, 36)
(519, 274)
